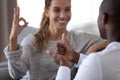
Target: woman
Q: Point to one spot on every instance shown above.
(31, 54)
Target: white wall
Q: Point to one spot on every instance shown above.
(84, 13)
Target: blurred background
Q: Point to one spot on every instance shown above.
(84, 17)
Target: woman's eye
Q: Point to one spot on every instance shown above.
(56, 10)
(67, 10)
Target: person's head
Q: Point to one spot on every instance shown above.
(109, 20)
(56, 15)
(58, 12)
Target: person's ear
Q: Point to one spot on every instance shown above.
(105, 18)
(46, 12)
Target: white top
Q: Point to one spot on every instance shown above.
(41, 66)
(104, 65)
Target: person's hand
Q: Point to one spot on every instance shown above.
(16, 26)
(60, 59)
(97, 47)
(16, 29)
(67, 50)
(65, 54)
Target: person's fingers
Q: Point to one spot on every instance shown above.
(61, 50)
(17, 12)
(50, 53)
(60, 45)
(58, 58)
(15, 15)
(22, 22)
(54, 55)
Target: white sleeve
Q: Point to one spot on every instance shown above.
(63, 73)
(89, 69)
(17, 64)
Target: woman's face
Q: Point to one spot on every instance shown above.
(59, 13)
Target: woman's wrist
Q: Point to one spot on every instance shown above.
(13, 44)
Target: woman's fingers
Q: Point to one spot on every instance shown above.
(17, 11)
(16, 14)
(22, 22)
(18, 24)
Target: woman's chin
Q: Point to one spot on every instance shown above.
(61, 27)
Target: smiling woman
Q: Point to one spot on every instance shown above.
(83, 11)
(31, 51)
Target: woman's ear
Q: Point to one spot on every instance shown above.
(46, 12)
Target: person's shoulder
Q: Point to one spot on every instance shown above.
(75, 36)
(92, 58)
(75, 33)
(85, 35)
(28, 40)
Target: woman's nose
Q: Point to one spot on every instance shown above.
(62, 15)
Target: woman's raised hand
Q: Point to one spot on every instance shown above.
(16, 26)
(16, 29)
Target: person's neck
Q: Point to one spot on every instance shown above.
(113, 37)
(56, 34)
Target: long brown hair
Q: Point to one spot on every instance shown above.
(43, 33)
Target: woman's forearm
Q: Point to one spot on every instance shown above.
(13, 44)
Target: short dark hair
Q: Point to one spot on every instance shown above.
(112, 8)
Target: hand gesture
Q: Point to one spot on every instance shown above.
(67, 50)
(16, 27)
(65, 54)
(60, 59)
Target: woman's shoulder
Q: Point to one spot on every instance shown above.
(82, 34)
(74, 34)
(28, 40)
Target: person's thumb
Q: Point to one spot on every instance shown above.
(65, 41)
